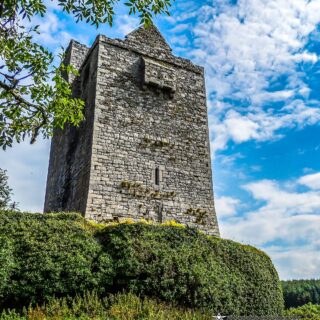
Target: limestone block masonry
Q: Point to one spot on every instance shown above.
(143, 150)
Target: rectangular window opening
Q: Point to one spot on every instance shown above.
(157, 176)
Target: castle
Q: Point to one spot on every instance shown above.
(143, 150)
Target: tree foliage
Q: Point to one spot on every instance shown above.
(308, 311)
(6, 264)
(299, 292)
(34, 97)
(5, 191)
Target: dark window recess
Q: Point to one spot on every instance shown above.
(157, 177)
(85, 78)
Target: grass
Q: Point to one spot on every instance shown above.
(114, 307)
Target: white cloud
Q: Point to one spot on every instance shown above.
(259, 125)
(180, 27)
(305, 57)
(125, 24)
(246, 47)
(292, 203)
(51, 30)
(180, 40)
(311, 180)
(296, 262)
(226, 206)
(285, 224)
(240, 128)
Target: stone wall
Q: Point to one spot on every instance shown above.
(148, 146)
(70, 154)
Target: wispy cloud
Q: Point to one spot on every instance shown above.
(52, 30)
(297, 262)
(311, 180)
(253, 52)
(124, 24)
(226, 206)
(260, 125)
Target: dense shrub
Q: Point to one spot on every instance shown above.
(6, 264)
(118, 307)
(192, 269)
(62, 254)
(53, 255)
(299, 292)
(307, 312)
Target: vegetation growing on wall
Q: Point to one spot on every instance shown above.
(64, 255)
(136, 189)
(200, 214)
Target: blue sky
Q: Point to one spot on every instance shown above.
(263, 84)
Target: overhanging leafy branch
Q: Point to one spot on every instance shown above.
(34, 96)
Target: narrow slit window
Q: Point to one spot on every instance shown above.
(157, 176)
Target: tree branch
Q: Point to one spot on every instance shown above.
(17, 96)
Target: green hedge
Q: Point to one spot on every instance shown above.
(62, 254)
(51, 255)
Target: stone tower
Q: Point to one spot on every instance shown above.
(143, 150)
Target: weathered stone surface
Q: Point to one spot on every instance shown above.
(143, 151)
